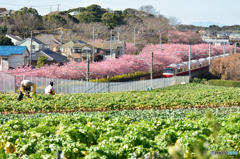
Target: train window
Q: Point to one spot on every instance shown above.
(168, 70)
(200, 65)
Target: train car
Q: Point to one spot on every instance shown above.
(182, 69)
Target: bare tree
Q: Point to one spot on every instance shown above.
(173, 21)
(149, 9)
(24, 24)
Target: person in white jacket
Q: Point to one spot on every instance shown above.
(49, 89)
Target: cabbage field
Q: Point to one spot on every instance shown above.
(123, 125)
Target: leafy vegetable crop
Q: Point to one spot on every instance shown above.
(120, 134)
(180, 96)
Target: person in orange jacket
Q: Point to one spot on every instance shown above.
(25, 88)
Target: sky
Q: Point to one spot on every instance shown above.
(221, 12)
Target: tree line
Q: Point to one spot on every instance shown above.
(146, 20)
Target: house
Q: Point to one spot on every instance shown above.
(3, 10)
(118, 49)
(234, 37)
(74, 13)
(6, 13)
(52, 57)
(13, 56)
(222, 35)
(49, 40)
(15, 39)
(36, 44)
(78, 51)
(99, 52)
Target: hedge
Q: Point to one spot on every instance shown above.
(118, 78)
(226, 83)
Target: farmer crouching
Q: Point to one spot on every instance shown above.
(49, 89)
(25, 89)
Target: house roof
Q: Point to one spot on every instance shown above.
(34, 39)
(3, 9)
(7, 12)
(97, 45)
(73, 13)
(52, 56)
(48, 39)
(80, 42)
(12, 50)
(115, 44)
(14, 37)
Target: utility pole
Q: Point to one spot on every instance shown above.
(31, 50)
(93, 46)
(134, 38)
(151, 68)
(235, 49)
(224, 50)
(189, 71)
(111, 44)
(88, 68)
(118, 34)
(61, 38)
(58, 7)
(160, 39)
(209, 54)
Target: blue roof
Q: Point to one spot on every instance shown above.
(12, 50)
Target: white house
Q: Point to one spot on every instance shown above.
(36, 44)
(13, 56)
(15, 39)
(113, 49)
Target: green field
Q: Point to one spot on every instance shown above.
(121, 133)
(178, 96)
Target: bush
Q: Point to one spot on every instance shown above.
(119, 78)
(226, 83)
(203, 81)
(195, 80)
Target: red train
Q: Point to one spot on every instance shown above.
(182, 68)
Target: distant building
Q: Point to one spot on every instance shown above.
(6, 13)
(52, 57)
(78, 51)
(15, 39)
(49, 40)
(234, 37)
(36, 44)
(13, 56)
(118, 49)
(74, 13)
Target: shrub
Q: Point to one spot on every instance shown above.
(203, 81)
(195, 80)
(226, 83)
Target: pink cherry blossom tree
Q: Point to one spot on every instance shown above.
(172, 53)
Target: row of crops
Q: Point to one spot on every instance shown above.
(122, 134)
(122, 125)
(180, 96)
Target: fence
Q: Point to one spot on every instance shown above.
(7, 82)
(76, 86)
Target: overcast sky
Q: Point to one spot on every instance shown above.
(187, 11)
